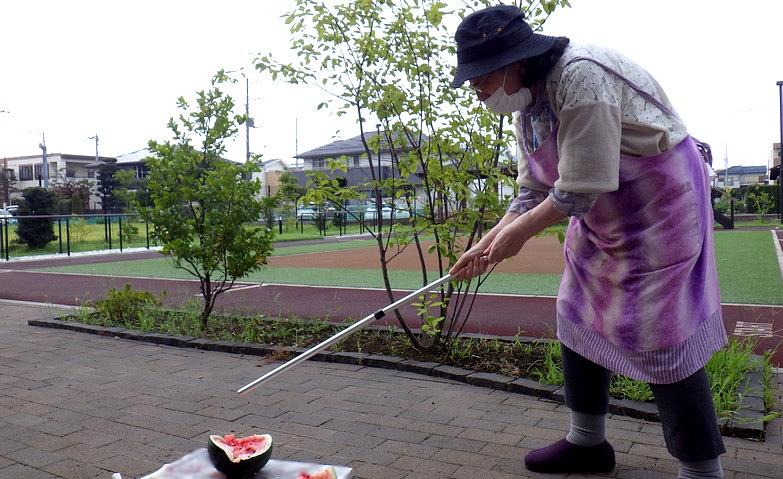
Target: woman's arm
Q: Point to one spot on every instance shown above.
(509, 241)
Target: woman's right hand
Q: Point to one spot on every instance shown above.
(472, 263)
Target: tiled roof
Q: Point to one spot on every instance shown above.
(747, 170)
(349, 147)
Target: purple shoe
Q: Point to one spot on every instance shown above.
(564, 457)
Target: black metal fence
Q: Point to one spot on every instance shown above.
(75, 233)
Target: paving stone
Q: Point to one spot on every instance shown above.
(19, 471)
(430, 466)
(34, 457)
(69, 469)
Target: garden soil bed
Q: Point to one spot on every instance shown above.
(515, 364)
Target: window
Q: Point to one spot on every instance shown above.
(26, 173)
(319, 164)
(91, 174)
(37, 174)
(356, 161)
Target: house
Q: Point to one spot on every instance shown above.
(270, 176)
(28, 171)
(737, 176)
(359, 172)
(134, 161)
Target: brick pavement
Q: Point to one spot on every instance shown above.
(81, 406)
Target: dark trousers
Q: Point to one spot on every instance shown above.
(690, 426)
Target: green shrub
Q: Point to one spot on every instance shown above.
(129, 232)
(36, 232)
(722, 206)
(126, 305)
(78, 230)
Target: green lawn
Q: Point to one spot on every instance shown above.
(747, 266)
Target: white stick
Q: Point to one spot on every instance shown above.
(342, 334)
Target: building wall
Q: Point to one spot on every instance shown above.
(58, 167)
(271, 182)
(354, 161)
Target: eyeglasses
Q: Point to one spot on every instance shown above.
(478, 84)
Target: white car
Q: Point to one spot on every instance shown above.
(306, 214)
(7, 214)
(371, 213)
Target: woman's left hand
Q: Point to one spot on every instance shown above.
(507, 243)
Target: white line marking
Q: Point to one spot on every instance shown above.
(762, 330)
(778, 249)
(401, 290)
(231, 290)
(250, 286)
(244, 283)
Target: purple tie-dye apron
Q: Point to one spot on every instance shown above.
(640, 278)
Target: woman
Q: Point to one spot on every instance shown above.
(600, 143)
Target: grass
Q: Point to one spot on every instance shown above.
(748, 269)
(726, 369)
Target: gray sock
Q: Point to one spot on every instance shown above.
(709, 469)
(587, 429)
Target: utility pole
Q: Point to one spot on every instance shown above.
(96, 146)
(249, 121)
(6, 181)
(45, 165)
(780, 155)
(103, 197)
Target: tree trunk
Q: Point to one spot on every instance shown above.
(209, 302)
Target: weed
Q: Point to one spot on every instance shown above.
(552, 371)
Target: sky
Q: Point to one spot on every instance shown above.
(71, 70)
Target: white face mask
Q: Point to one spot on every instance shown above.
(502, 102)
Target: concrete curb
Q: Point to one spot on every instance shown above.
(746, 423)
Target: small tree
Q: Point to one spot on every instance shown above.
(73, 194)
(36, 232)
(289, 193)
(389, 65)
(761, 201)
(202, 204)
(107, 183)
(268, 205)
(7, 184)
(124, 193)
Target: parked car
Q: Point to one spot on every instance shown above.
(312, 212)
(306, 213)
(8, 215)
(371, 213)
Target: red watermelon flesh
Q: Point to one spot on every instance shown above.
(325, 473)
(244, 447)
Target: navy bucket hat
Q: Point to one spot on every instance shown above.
(493, 38)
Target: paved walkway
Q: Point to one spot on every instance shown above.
(81, 406)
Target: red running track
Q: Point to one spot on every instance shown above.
(503, 315)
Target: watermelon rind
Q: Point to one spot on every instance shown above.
(238, 467)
